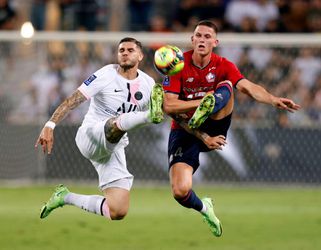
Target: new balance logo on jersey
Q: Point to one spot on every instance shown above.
(190, 79)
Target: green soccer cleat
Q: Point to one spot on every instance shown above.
(56, 200)
(156, 103)
(202, 112)
(210, 218)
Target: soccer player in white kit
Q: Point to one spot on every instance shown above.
(122, 97)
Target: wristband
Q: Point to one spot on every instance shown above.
(50, 124)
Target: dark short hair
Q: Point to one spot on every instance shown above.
(208, 24)
(132, 40)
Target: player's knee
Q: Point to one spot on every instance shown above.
(112, 133)
(226, 83)
(118, 214)
(180, 190)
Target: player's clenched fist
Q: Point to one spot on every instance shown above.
(215, 142)
(46, 139)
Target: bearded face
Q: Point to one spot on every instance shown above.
(129, 55)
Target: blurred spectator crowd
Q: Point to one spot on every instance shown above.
(54, 74)
(163, 15)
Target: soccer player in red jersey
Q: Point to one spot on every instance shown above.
(206, 84)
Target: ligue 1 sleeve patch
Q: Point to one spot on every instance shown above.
(90, 79)
(166, 81)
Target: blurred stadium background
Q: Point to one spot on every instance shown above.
(265, 145)
(278, 45)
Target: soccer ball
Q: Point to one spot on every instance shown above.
(168, 60)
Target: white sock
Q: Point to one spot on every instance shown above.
(128, 121)
(204, 209)
(91, 203)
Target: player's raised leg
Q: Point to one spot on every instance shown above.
(116, 127)
(155, 114)
(202, 112)
(212, 104)
(62, 196)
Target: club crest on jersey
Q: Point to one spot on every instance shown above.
(138, 95)
(90, 79)
(210, 77)
(190, 79)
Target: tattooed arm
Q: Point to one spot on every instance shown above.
(46, 137)
(70, 103)
(215, 142)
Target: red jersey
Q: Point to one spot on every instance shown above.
(194, 82)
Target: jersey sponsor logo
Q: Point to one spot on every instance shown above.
(210, 77)
(118, 90)
(200, 94)
(127, 107)
(90, 79)
(166, 81)
(198, 89)
(196, 95)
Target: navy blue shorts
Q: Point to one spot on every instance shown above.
(186, 148)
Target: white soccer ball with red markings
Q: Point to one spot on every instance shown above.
(169, 60)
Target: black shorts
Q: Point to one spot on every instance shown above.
(185, 147)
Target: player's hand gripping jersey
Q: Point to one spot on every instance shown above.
(194, 82)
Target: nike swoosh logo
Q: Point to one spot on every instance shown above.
(118, 90)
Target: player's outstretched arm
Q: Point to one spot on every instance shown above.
(214, 143)
(173, 105)
(262, 95)
(46, 137)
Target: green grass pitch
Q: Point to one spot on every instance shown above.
(277, 218)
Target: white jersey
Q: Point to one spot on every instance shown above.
(111, 94)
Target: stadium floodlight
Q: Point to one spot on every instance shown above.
(27, 31)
